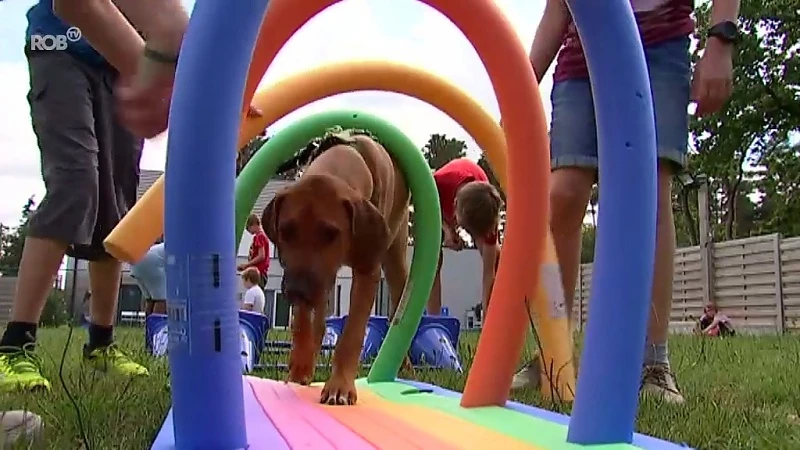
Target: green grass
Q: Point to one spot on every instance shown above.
(742, 393)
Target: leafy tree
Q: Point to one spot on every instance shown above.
(779, 208)
(439, 150)
(14, 241)
(763, 112)
(246, 154)
(588, 239)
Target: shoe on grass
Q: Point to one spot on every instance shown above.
(20, 370)
(529, 376)
(660, 382)
(16, 426)
(112, 359)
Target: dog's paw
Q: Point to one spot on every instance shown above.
(301, 368)
(339, 390)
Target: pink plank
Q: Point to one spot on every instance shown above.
(302, 424)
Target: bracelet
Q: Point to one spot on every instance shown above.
(159, 56)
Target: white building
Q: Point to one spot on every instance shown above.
(461, 289)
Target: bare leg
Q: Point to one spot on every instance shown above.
(394, 266)
(104, 278)
(570, 189)
(658, 378)
(41, 259)
(434, 307)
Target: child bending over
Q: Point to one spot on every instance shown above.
(468, 200)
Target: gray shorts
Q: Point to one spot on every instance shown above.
(90, 162)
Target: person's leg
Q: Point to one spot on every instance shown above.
(434, 307)
(62, 119)
(151, 276)
(573, 153)
(670, 78)
(118, 158)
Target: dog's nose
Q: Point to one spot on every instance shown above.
(298, 286)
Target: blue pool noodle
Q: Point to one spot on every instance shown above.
(205, 365)
(611, 362)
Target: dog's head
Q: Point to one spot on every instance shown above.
(319, 224)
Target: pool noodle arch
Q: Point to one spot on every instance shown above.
(303, 88)
(194, 256)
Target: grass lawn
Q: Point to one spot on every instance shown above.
(742, 393)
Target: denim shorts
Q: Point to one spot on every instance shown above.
(573, 135)
(150, 274)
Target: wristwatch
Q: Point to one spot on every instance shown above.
(726, 31)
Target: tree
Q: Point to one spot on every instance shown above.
(763, 111)
(14, 241)
(439, 150)
(249, 150)
(778, 210)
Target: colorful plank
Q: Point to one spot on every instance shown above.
(301, 424)
(382, 430)
(404, 415)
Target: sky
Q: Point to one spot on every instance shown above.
(405, 31)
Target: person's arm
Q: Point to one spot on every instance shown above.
(722, 10)
(260, 257)
(103, 25)
(489, 264)
(248, 301)
(549, 35)
(449, 234)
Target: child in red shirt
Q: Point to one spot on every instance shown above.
(258, 256)
(468, 200)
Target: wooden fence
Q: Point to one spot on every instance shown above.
(753, 281)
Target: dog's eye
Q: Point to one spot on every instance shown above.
(329, 234)
(288, 232)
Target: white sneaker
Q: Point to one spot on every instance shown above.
(659, 381)
(19, 425)
(529, 376)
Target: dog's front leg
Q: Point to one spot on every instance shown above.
(340, 389)
(302, 359)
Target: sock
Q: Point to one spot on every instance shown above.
(100, 336)
(18, 334)
(656, 354)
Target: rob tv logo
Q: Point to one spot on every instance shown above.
(48, 42)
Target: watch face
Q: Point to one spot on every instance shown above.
(727, 31)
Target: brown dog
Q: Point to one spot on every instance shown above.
(350, 208)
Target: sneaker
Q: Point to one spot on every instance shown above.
(659, 381)
(20, 370)
(113, 359)
(529, 376)
(19, 425)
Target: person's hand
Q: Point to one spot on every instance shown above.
(144, 97)
(712, 83)
(241, 267)
(455, 243)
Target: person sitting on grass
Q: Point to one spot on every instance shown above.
(258, 257)
(468, 200)
(712, 323)
(254, 295)
(150, 274)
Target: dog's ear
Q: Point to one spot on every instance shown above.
(269, 219)
(369, 235)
